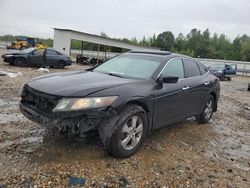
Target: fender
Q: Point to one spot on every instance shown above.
(145, 104)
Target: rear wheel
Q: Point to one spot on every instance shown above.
(61, 64)
(20, 62)
(208, 110)
(130, 132)
(222, 77)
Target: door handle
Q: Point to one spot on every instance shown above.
(185, 88)
(206, 83)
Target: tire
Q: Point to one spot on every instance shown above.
(130, 132)
(61, 65)
(229, 78)
(207, 111)
(222, 77)
(20, 62)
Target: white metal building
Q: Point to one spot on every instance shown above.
(63, 37)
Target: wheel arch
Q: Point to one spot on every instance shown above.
(19, 57)
(142, 102)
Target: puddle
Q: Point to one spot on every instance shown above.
(231, 146)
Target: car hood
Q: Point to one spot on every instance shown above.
(76, 84)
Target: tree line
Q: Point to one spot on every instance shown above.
(196, 43)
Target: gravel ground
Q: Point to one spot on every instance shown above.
(187, 154)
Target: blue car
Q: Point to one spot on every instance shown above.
(223, 71)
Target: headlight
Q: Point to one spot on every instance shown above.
(70, 104)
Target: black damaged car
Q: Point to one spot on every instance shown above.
(32, 57)
(123, 99)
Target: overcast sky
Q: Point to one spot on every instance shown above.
(124, 18)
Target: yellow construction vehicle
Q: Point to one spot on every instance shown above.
(24, 43)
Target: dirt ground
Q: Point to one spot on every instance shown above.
(216, 154)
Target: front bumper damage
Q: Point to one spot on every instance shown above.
(78, 123)
(38, 107)
(7, 59)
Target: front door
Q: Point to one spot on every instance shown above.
(168, 97)
(37, 58)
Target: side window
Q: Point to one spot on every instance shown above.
(203, 68)
(228, 67)
(174, 68)
(38, 52)
(191, 68)
(51, 52)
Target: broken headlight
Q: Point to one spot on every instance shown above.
(70, 104)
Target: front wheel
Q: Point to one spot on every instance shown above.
(20, 62)
(130, 132)
(207, 112)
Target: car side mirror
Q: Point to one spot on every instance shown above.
(169, 79)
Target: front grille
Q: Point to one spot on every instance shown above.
(35, 99)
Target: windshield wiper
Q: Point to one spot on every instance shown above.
(116, 74)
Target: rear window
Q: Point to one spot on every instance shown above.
(203, 68)
(191, 68)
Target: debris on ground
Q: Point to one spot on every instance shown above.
(76, 181)
(10, 74)
(2, 73)
(44, 70)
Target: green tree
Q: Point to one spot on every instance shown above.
(165, 40)
(245, 52)
(180, 43)
(153, 41)
(237, 46)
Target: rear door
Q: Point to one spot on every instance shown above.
(193, 87)
(37, 58)
(168, 97)
(52, 57)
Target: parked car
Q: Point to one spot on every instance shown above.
(46, 57)
(223, 71)
(123, 99)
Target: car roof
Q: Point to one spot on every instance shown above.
(49, 48)
(158, 52)
(153, 52)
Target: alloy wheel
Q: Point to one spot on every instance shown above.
(209, 109)
(131, 132)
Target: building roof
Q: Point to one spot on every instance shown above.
(93, 38)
